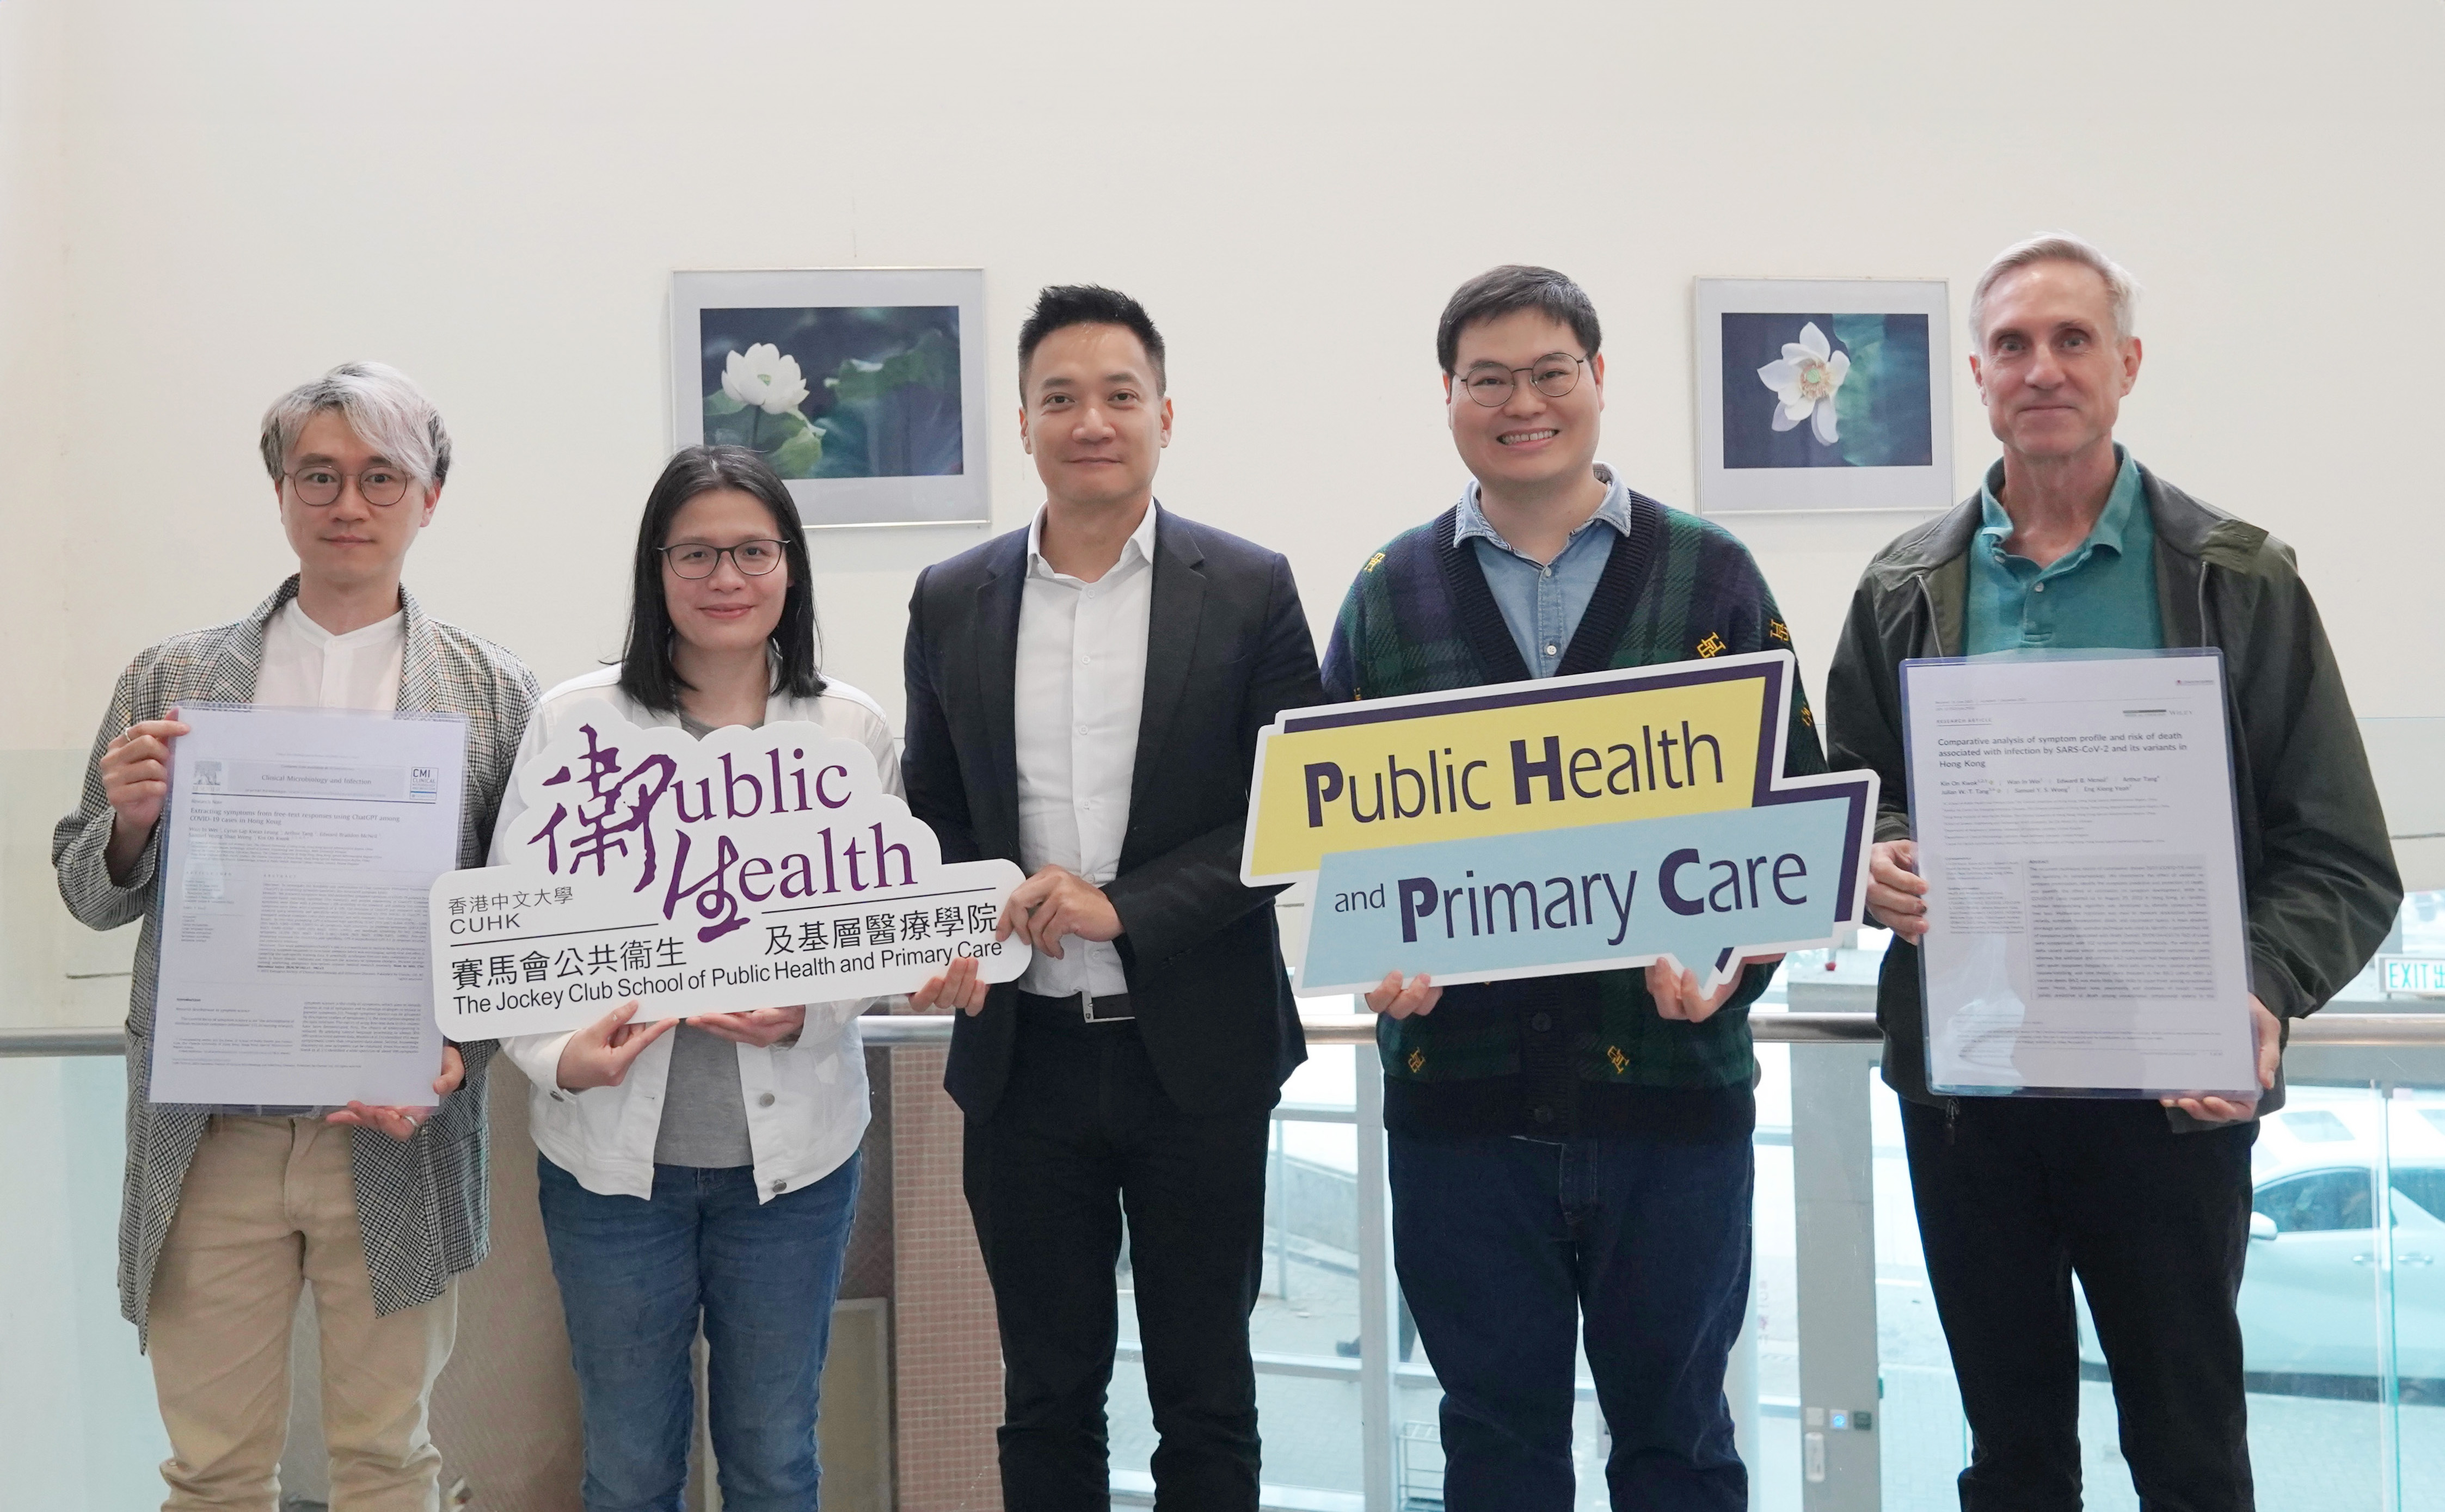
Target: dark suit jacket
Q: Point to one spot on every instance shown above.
(1227, 646)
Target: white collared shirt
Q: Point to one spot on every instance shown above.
(305, 667)
(1079, 691)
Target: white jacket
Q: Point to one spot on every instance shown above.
(806, 1102)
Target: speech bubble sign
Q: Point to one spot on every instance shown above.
(1571, 823)
(753, 868)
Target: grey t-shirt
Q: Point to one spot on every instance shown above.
(704, 1113)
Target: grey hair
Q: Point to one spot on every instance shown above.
(2121, 290)
(386, 410)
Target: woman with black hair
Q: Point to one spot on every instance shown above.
(704, 1168)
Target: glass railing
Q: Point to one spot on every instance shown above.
(1842, 1386)
(79, 1430)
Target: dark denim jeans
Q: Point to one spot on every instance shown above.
(634, 1276)
(1503, 1245)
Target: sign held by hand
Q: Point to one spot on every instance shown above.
(753, 868)
(1584, 823)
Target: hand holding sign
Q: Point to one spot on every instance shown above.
(759, 1027)
(401, 1123)
(755, 869)
(1053, 902)
(601, 1053)
(1394, 998)
(1678, 993)
(1896, 893)
(957, 990)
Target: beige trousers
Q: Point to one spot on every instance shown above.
(267, 1205)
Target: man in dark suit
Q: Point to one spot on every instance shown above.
(1084, 697)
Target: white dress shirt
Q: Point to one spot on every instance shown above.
(305, 667)
(1080, 689)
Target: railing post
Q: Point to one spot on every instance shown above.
(1279, 1199)
(1378, 1338)
(1832, 1185)
(2389, 1366)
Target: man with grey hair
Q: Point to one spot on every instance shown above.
(2071, 543)
(224, 1216)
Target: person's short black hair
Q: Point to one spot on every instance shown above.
(646, 673)
(1499, 291)
(1062, 305)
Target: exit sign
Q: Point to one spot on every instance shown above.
(2424, 974)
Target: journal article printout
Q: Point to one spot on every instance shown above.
(2075, 825)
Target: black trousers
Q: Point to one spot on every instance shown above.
(1083, 1133)
(2015, 1196)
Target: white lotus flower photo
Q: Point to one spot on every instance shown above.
(1804, 382)
(769, 382)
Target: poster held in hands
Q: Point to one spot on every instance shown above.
(296, 849)
(753, 868)
(1583, 823)
(2086, 933)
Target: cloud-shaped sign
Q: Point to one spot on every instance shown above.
(1566, 824)
(753, 868)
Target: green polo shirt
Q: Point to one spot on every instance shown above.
(2103, 594)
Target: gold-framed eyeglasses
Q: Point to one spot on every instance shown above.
(381, 484)
(1552, 375)
(695, 559)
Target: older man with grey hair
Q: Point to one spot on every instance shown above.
(223, 1216)
(2072, 544)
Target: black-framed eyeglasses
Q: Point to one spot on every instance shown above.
(381, 484)
(1552, 375)
(693, 559)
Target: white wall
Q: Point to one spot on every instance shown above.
(202, 205)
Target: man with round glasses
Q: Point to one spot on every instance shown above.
(224, 1216)
(1569, 1147)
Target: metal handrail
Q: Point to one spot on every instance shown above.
(2401, 1030)
(97, 1040)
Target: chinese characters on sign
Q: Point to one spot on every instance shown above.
(752, 869)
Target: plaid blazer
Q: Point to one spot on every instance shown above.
(421, 1204)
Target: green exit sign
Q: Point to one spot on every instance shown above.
(2423, 975)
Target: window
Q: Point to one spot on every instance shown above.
(2317, 1128)
(2317, 1202)
(2422, 1185)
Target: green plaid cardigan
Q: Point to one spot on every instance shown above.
(1583, 1052)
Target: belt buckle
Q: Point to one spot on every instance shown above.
(1087, 1009)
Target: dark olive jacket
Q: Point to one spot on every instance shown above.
(2318, 871)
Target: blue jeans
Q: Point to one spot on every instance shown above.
(634, 1276)
(1504, 1244)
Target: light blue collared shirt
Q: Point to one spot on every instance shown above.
(1541, 602)
(2102, 594)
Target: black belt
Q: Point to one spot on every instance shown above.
(1083, 1007)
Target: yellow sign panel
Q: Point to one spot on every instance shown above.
(1644, 743)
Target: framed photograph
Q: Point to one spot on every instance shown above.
(865, 387)
(1823, 394)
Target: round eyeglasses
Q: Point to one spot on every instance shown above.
(380, 485)
(693, 559)
(1552, 375)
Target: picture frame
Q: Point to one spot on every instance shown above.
(1824, 395)
(863, 386)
